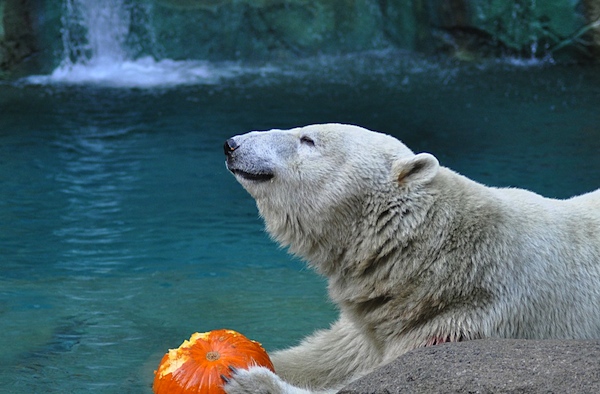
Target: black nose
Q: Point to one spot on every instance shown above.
(230, 146)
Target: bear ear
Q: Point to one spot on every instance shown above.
(416, 170)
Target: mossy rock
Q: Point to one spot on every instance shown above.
(522, 24)
(260, 29)
(16, 35)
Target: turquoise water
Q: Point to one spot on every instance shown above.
(121, 232)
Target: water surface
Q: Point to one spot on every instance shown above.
(121, 232)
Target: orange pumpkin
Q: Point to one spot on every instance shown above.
(197, 365)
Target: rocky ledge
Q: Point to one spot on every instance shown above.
(490, 366)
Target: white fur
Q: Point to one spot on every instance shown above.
(414, 253)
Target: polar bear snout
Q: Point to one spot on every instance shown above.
(245, 164)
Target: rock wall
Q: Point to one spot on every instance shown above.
(280, 28)
(16, 33)
(468, 29)
(527, 28)
(272, 29)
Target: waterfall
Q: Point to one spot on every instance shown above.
(97, 42)
(104, 25)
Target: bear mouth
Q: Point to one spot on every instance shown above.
(251, 176)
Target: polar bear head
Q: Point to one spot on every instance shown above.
(315, 185)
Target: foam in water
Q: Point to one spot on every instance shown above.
(95, 34)
(143, 72)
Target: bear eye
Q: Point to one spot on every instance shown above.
(307, 141)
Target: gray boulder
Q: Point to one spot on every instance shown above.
(490, 366)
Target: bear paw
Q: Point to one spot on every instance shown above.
(258, 380)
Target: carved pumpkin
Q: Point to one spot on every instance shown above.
(197, 365)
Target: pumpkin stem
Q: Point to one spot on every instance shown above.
(213, 356)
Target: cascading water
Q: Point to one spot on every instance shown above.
(105, 25)
(98, 39)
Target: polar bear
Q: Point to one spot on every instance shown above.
(414, 253)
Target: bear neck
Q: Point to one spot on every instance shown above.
(316, 237)
(357, 234)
